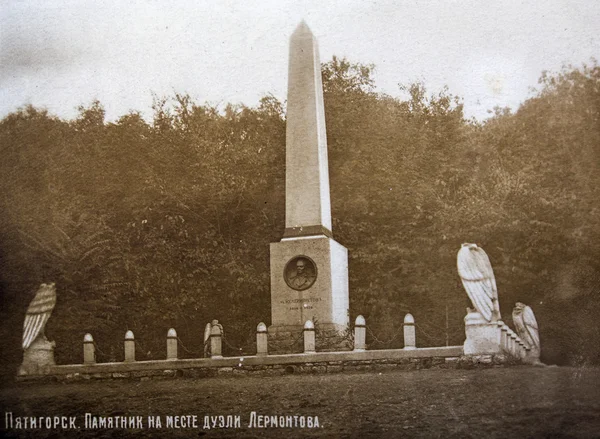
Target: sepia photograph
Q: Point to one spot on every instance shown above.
(265, 219)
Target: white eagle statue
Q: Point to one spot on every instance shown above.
(475, 271)
(527, 327)
(38, 314)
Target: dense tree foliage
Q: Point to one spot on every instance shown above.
(146, 226)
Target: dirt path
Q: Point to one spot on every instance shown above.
(494, 403)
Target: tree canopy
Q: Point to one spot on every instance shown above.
(151, 225)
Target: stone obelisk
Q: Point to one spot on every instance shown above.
(309, 269)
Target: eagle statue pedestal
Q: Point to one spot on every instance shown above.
(38, 357)
(483, 337)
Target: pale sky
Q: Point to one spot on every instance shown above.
(61, 54)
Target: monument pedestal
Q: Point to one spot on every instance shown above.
(483, 337)
(38, 358)
(309, 281)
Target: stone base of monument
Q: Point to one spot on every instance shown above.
(38, 358)
(290, 339)
(483, 337)
(322, 297)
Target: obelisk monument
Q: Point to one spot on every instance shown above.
(309, 269)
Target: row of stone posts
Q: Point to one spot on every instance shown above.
(89, 349)
(360, 336)
(483, 337)
(511, 343)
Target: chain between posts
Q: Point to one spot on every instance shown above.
(395, 336)
(97, 349)
(298, 339)
(295, 342)
(253, 333)
(431, 338)
(180, 342)
(241, 349)
(186, 349)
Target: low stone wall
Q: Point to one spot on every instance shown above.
(321, 362)
(486, 345)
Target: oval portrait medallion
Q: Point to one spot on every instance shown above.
(300, 273)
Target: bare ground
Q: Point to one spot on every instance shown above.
(492, 403)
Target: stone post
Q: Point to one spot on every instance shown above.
(504, 338)
(89, 354)
(522, 349)
(410, 338)
(501, 349)
(513, 344)
(215, 342)
(172, 344)
(509, 341)
(360, 334)
(129, 346)
(262, 340)
(309, 337)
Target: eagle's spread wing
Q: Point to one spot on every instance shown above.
(475, 271)
(38, 313)
(207, 329)
(531, 326)
(517, 316)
